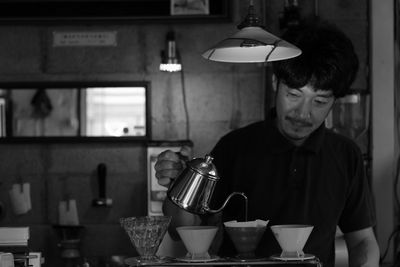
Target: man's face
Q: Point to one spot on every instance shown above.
(300, 111)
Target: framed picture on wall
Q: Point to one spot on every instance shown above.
(190, 7)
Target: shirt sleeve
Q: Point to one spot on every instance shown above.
(359, 211)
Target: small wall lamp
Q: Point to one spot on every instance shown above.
(170, 60)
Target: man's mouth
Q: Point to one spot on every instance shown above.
(299, 122)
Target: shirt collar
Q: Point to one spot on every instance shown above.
(277, 143)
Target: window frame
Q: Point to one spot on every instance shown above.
(74, 85)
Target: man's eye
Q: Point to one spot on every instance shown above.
(293, 94)
(321, 101)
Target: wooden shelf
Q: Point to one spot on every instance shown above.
(62, 11)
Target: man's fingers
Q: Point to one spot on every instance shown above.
(164, 181)
(168, 155)
(168, 167)
(186, 151)
(163, 165)
(170, 174)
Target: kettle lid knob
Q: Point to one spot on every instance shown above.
(209, 159)
(204, 166)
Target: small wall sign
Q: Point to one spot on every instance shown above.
(102, 38)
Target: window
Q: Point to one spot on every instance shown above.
(113, 111)
(89, 110)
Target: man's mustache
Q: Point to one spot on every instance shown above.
(294, 120)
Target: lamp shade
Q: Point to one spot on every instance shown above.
(251, 44)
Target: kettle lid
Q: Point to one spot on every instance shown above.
(204, 166)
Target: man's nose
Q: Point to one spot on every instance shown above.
(304, 109)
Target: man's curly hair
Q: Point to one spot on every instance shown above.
(328, 60)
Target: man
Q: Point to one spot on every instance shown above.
(292, 169)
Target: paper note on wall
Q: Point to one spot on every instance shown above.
(20, 195)
(68, 212)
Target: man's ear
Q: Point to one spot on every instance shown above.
(274, 83)
(334, 102)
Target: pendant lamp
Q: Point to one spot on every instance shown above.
(251, 44)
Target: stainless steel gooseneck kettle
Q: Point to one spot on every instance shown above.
(193, 188)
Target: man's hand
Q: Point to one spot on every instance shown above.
(363, 248)
(170, 164)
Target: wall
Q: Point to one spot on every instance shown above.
(385, 127)
(220, 97)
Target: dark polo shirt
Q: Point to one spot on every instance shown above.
(321, 183)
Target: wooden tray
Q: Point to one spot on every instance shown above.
(231, 262)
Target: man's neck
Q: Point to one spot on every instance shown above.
(296, 142)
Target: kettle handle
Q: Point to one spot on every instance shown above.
(182, 158)
(207, 209)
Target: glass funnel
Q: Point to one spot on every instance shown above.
(146, 234)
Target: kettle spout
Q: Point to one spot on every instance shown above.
(207, 209)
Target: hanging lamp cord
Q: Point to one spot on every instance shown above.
(185, 106)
